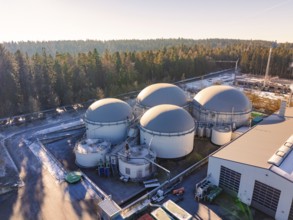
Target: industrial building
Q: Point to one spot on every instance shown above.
(257, 166)
(108, 119)
(168, 130)
(160, 93)
(221, 105)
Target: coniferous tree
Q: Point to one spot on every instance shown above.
(25, 79)
(8, 84)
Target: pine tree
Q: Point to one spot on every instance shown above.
(8, 84)
(25, 79)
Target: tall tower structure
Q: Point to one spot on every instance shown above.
(266, 79)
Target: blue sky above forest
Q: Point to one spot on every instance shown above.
(146, 19)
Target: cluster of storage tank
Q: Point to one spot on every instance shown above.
(166, 126)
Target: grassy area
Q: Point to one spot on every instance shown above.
(263, 104)
(257, 114)
(234, 209)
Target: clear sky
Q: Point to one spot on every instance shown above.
(22, 20)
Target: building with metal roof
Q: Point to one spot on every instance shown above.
(108, 119)
(258, 166)
(161, 93)
(221, 104)
(168, 130)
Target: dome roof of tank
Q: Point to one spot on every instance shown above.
(222, 98)
(167, 119)
(108, 110)
(161, 93)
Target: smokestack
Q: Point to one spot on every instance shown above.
(282, 108)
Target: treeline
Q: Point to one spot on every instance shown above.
(80, 46)
(43, 81)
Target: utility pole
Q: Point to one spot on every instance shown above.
(290, 95)
(236, 67)
(266, 79)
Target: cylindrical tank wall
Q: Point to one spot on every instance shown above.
(90, 159)
(115, 133)
(168, 146)
(217, 118)
(208, 132)
(140, 110)
(135, 171)
(200, 131)
(221, 136)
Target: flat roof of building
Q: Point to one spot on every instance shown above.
(260, 143)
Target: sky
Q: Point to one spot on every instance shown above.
(43, 20)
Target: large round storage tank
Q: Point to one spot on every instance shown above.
(90, 152)
(133, 165)
(108, 119)
(168, 130)
(158, 94)
(221, 135)
(221, 104)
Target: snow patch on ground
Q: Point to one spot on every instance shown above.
(62, 126)
(8, 171)
(225, 79)
(82, 190)
(49, 162)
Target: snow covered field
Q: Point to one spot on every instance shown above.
(228, 79)
(224, 79)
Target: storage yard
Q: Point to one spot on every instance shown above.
(134, 158)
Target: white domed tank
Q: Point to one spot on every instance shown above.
(158, 94)
(168, 130)
(221, 135)
(221, 104)
(108, 119)
(133, 165)
(90, 152)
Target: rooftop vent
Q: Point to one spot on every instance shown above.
(282, 152)
(282, 109)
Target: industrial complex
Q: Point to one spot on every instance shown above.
(134, 156)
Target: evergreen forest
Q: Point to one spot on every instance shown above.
(36, 76)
